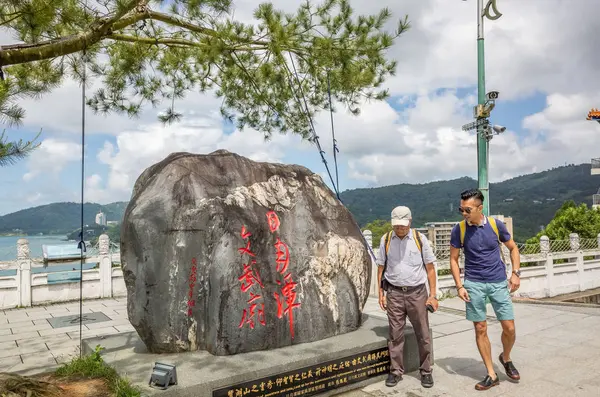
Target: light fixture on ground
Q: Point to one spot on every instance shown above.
(163, 376)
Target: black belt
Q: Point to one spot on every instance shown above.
(406, 289)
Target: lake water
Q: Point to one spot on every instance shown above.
(8, 245)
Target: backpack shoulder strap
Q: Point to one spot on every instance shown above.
(463, 229)
(388, 240)
(494, 226)
(419, 243)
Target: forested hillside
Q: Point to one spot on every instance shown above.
(531, 200)
(59, 218)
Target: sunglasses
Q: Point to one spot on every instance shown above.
(466, 209)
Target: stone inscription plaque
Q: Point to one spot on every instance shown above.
(314, 379)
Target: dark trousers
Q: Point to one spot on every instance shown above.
(402, 302)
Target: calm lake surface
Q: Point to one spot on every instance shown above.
(8, 245)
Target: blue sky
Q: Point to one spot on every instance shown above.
(547, 83)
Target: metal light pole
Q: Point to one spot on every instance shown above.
(481, 111)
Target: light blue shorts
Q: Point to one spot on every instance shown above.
(498, 295)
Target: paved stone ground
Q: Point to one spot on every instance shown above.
(29, 344)
(557, 353)
(557, 349)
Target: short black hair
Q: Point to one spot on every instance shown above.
(472, 193)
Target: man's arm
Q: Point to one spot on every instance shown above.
(454, 268)
(515, 256)
(380, 262)
(429, 259)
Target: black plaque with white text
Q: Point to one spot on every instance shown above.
(314, 379)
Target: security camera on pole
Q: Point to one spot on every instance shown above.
(485, 104)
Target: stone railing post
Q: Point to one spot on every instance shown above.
(550, 275)
(580, 270)
(574, 241)
(24, 272)
(105, 265)
(598, 238)
(369, 237)
(544, 245)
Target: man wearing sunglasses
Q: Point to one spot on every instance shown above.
(485, 278)
(403, 272)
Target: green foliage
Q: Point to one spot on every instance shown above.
(571, 218)
(59, 218)
(378, 227)
(438, 201)
(269, 74)
(92, 366)
(10, 152)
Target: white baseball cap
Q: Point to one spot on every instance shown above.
(401, 216)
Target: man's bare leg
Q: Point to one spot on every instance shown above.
(508, 338)
(484, 346)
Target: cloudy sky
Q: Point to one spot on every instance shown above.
(540, 56)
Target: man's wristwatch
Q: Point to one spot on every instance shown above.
(517, 273)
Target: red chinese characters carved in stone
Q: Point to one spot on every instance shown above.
(192, 282)
(249, 314)
(282, 256)
(249, 278)
(273, 221)
(288, 296)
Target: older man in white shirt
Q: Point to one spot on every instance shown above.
(403, 272)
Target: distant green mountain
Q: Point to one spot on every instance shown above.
(59, 218)
(531, 200)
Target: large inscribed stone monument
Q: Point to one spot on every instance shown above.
(225, 254)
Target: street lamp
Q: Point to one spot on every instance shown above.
(485, 104)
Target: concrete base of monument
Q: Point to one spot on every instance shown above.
(325, 367)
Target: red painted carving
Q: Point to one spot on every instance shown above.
(248, 279)
(273, 221)
(288, 292)
(244, 233)
(246, 249)
(249, 314)
(286, 301)
(283, 256)
(192, 282)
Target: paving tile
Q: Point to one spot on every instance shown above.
(17, 336)
(35, 309)
(5, 331)
(57, 331)
(94, 332)
(125, 328)
(29, 328)
(112, 323)
(59, 313)
(41, 321)
(63, 356)
(17, 324)
(25, 349)
(39, 315)
(6, 363)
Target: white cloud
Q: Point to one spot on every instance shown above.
(51, 158)
(138, 149)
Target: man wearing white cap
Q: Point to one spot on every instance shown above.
(405, 266)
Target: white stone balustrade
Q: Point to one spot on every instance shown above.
(22, 287)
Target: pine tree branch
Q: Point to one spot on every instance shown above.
(11, 152)
(24, 53)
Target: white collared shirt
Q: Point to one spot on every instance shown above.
(405, 267)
